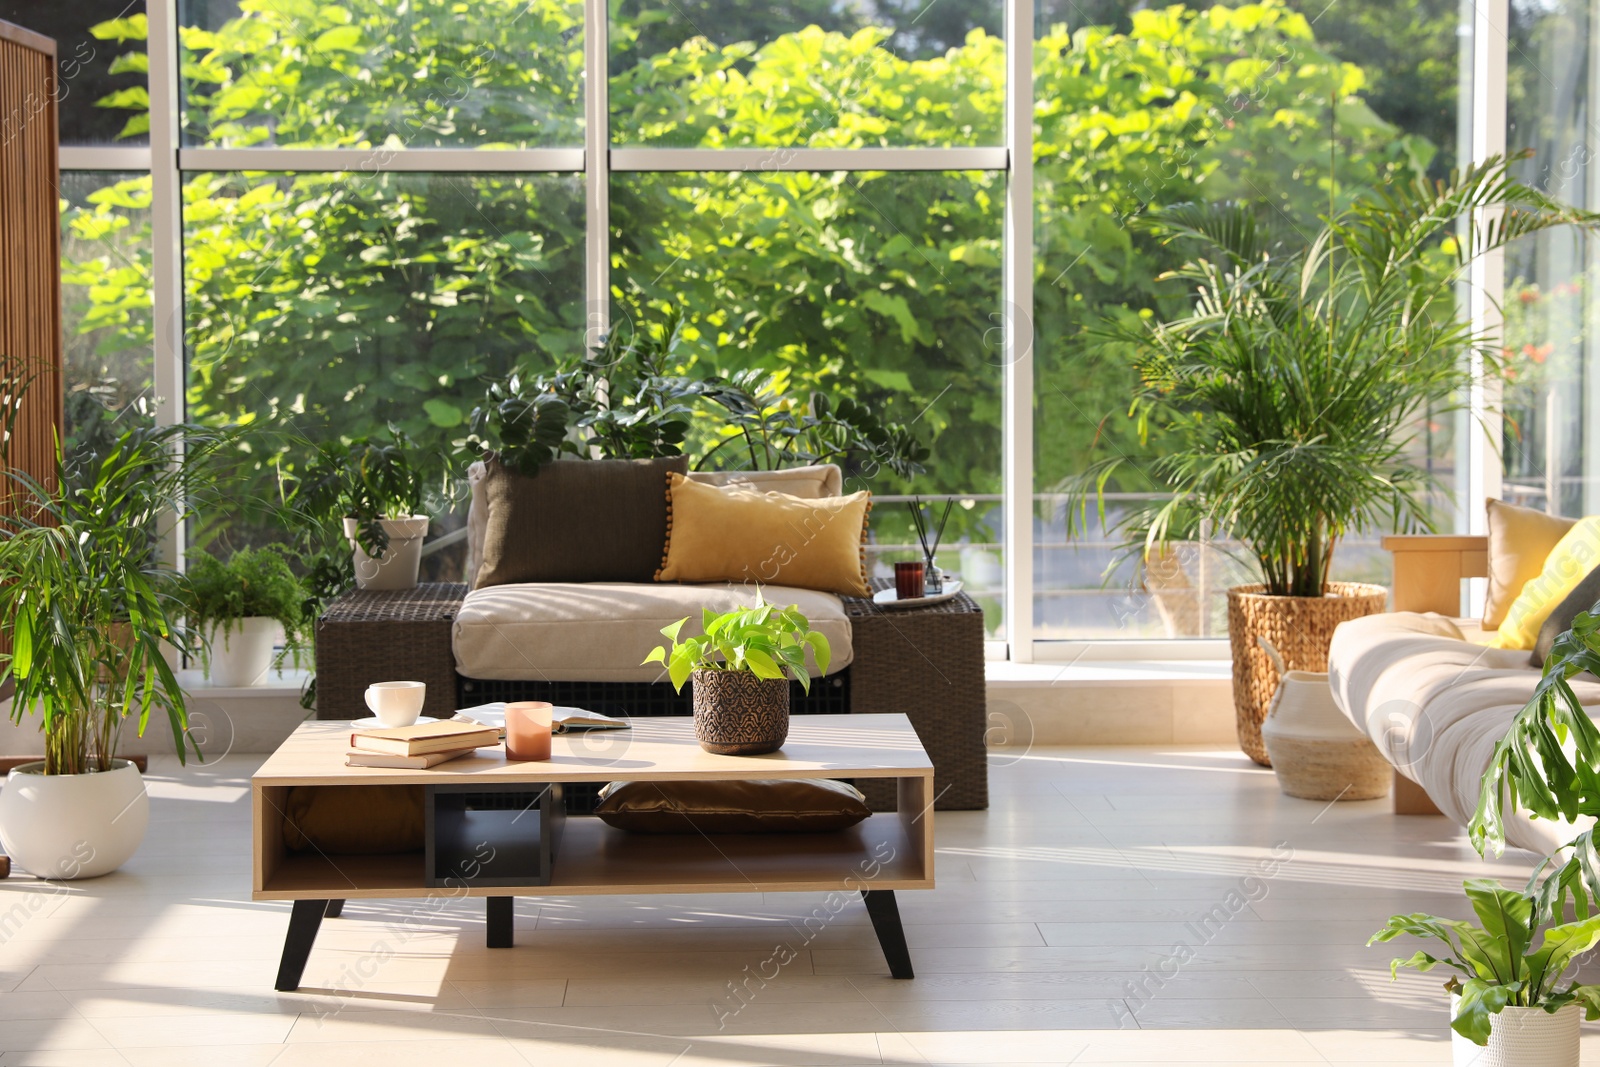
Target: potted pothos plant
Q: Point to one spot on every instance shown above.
(1281, 411)
(740, 667)
(1510, 992)
(87, 620)
(375, 490)
(239, 608)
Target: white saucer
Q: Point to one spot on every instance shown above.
(889, 600)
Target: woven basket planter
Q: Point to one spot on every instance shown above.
(1300, 628)
(738, 714)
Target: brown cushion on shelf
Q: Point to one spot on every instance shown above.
(599, 520)
(811, 805)
(353, 819)
(735, 534)
(1520, 540)
(1559, 621)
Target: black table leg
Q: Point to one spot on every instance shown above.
(891, 935)
(303, 923)
(500, 913)
(335, 908)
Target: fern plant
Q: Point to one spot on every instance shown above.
(253, 583)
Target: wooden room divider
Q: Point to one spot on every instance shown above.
(30, 256)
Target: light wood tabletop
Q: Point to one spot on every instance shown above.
(653, 749)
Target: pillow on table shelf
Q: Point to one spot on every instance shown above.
(591, 520)
(736, 534)
(1575, 555)
(798, 806)
(354, 820)
(1520, 540)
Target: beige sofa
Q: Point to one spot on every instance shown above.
(1429, 692)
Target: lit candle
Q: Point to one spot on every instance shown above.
(528, 730)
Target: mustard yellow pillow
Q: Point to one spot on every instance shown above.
(1574, 556)
(734, 534)
(1520, 540)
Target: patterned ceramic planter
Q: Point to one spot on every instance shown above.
(1523, 1037)
(738, 714)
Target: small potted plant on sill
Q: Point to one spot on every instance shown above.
(87, 612)
(740, 667)
(376, 490)
(239, 607)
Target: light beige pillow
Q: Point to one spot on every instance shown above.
(817, 480)
(738, 535)
(1520, 540)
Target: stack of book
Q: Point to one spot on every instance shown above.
(421, 745)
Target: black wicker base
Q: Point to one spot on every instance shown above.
(828, 696)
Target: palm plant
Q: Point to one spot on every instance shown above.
(86, 604)
(1287, 402)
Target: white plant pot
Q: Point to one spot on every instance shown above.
(241, 653)
(1523, 1037)
(397, 567)
(1316, 752)
(65, 826)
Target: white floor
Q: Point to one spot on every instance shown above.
(1068, 927)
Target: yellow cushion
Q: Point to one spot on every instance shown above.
(1520, 540)
(733, 534)
(1574, 556)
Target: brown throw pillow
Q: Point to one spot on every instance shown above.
(353, 820)
(735, 534)
(601, 520)
(1520, 540)
(796, 806)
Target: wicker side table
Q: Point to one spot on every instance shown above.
(926, 664)
(410, 642)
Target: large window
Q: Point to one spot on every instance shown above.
(348, 215)
(1284, 106)
(1552, 394)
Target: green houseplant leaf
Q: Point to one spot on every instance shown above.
(767, 642)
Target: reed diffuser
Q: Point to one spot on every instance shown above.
(932, 578)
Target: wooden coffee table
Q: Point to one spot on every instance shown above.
(498, 830)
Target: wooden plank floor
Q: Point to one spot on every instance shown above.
(1128, 905)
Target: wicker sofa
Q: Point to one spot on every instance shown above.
(925, 663)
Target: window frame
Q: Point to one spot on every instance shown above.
(168, 162)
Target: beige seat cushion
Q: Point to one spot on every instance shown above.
(1436, 705)
(599, 631)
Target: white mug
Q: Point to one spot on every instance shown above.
(397, 704)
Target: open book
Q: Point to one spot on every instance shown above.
(563, 720)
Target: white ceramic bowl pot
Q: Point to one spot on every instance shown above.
(240, 653)
(65, 826)
(1523, 1037)
(397, 567)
